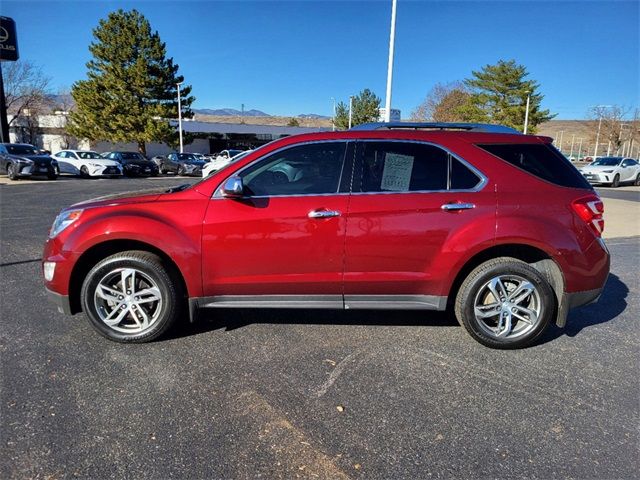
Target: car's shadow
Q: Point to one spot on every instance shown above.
(234, 318)
(611, 304)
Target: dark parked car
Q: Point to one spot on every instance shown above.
(182, 164)
(496, 226)
(21, 160)
(134, 164)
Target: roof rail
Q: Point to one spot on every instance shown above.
(471, 127)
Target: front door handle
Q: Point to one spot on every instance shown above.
(452, 207)
(323, 213)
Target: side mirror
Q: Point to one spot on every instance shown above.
(233, 188)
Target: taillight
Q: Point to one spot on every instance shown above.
(591, 210)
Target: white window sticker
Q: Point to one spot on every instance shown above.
(397, 172)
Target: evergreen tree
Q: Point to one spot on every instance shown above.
(366, 106)
(130, 91)
(499, 95)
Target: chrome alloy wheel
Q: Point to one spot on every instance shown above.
(507, 307)
(127, 300)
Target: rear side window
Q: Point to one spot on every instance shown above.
(411, 167)
(541, 160)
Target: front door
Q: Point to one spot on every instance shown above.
(284, 241)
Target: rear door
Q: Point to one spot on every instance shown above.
(284, 241)
(409, 216)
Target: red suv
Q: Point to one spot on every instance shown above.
(497, 226)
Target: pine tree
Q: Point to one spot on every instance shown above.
(499, 95)
(366, 106)
(130, 91)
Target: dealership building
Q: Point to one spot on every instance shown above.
(48, 132)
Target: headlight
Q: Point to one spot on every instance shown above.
(95, 164)
(607, 171)
(63, 220)
(24, 161)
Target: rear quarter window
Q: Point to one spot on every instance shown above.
(540, 160)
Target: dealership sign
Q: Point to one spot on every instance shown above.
(8, 40)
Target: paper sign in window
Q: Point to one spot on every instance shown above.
(397, 172)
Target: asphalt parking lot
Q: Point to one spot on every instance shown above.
(308, 394)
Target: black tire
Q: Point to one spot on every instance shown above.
(637, 182)
(475, 286)
(84, 171)
(181, 170)
(616, 181)
(12, 172)
(148, 267)
(53, 175)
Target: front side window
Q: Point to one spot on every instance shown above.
(309, 169)
(87, 155)
(411, 167)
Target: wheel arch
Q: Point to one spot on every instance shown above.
(101, 251)
(535, 257)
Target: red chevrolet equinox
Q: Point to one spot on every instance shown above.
(497, 226)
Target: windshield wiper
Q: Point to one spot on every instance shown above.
(179, 188)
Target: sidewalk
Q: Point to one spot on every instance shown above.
(621, 218)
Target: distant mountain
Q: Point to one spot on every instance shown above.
(313, 116)
(230, 112)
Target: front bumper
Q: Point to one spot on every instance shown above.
(598, 178)
(60, 301)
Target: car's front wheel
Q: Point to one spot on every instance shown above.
(505, 303)
(131, 297)
(84, 172)
(637, 182)
(12, 172)
(616, 181)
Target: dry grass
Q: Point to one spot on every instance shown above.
(277, 121)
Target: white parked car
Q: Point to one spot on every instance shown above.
(612, 171)
(86, 163)
(221, 162)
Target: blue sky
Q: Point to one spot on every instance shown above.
(291, 57)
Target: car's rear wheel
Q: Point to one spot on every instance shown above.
(505, 303)
(131, 297)
(616, 181)
(12, 172)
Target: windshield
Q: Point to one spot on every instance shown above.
(233, 153)
(187, 156)
(21, 150)
(132, 156)
(87, 155)
(607, 162)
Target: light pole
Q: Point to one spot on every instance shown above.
(350, 110)
(392, 41)
(599, 109)
(526, 112)
(333, 119)
(573, 137)
(580, 148)
(595, 152)
(561, 137)
(179, 115)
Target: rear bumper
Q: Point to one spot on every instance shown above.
(60, 301)
(577, 299)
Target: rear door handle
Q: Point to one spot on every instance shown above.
(323, 213)
(452, 207)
